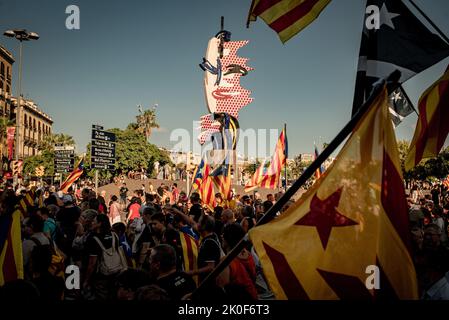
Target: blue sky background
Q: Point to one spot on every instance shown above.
(142, 52)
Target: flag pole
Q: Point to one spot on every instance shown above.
(442, 35)
(187, 172)
(193, 177)
(310, 170)
(285, 167)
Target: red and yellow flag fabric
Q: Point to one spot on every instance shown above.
(432, 127)
(189, 252)
(11, 258)
(286, 17)
(26, 202)
(73, 176)
(221, 177)
(268, 174)
(353, 218)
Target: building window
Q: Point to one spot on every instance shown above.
(8, 90)
(2, 68)
(1, 85)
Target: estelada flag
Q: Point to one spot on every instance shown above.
(73, 176)
(432, 127)
(286, 17)
(221, 177)
(353, 220)
(268, 174)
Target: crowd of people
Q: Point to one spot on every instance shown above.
(136, 246)
(429, 226)
(160, 244)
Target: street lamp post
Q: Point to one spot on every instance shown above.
(21, 35)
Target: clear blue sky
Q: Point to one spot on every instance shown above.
(141, 52)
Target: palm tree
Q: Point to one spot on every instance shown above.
(49, 141)
(146, 121)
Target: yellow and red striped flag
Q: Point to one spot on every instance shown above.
(432, 127)
(267, 175)
(350, 229)
(189, 252)
(286, 17)
(206, 190)
(26, 202)
(11, 258)
(73, 176)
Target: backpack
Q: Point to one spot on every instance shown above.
(217, 243)
(57, 265)
(113, 259)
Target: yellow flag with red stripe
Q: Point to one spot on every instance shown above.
(432, 127)
(11, 258)
(286, 17)
(351, 223)
(189, 253)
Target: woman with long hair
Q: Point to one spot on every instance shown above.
(114, 211)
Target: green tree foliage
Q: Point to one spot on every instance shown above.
(250, 168)
(433, 168)
(46, 158)
(297, 167)
(133, 152)
(49, 141)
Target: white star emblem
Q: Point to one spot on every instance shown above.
(396, 96)
(387, 17)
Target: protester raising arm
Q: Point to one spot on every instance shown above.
(187, 219)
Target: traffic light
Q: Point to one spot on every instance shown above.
(16, 167)
(40, 171)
